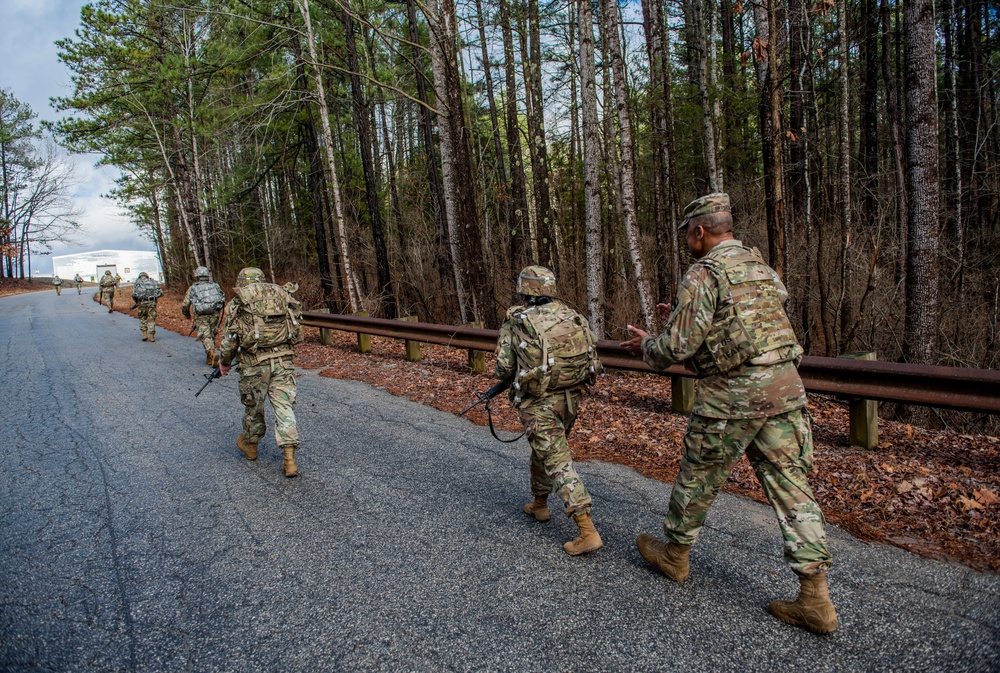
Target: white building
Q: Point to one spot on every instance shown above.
(91, 265)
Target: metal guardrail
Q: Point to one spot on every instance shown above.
(957, 388)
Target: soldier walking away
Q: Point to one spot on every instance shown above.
(550, 353)
(145, 292)
(57, 281)
(78, 281)
(107, 286)
(205, 299)
(728, 324)
(262, 328)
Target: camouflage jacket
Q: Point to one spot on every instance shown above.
(107, 283)
(240, 327)
(766, 385)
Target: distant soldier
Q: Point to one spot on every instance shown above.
(262, 328)
(550, 353)
(118, 280)
(145, 292)
(205, 299)
(57, 281)
(107, 286)
(78, 281)
(728, 323)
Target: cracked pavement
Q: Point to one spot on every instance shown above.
(134, 536)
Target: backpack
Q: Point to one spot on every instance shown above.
(207, 298)
(268, 318)
(556, 349)
(146, 289)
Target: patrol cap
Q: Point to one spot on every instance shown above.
(536, 281)
(705, 205)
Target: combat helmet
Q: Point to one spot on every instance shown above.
(107, 272)
(536, 281)
(202, 272)
(250, 274)
(143, 274)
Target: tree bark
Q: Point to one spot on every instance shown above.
(591, 171)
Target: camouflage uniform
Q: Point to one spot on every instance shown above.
(206, 324)
(264, 375)
(57, 281)
(730, 306)
(146, 310)
(78, 281)
(547, 414)
(107, 286)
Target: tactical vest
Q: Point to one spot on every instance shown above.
(267, 320)
(555, 350)
(207, 298)
(749, 319)
(146, 289)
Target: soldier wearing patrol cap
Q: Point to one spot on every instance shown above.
(728, 323)
(549, 352)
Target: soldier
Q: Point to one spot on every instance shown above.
(262, 328)
(550, 353)
(57, 281)
(145, 292)
(728, 323)
(206, 299)
(107, 286)
(118, 280)
(78, 281)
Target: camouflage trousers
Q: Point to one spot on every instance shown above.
(779, 449)
(147, 316)
(207, 325)
(58, 290)
(108, 298)
(273, 380)
(547, 423)
(79, 288)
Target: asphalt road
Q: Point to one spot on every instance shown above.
(134, 536)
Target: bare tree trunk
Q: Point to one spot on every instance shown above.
(895, 131)
(700, 47)
(518, 189)
(591, 171)
(536, 137)
(846, 308)
(327, 143)
(627, 166)
(920, 332)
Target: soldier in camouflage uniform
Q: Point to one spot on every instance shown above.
(547, 392)
(78, 281)
(57, 281)
(145, 292)
(207, 324)
(266, 372)
(729, 325)
(107, 286)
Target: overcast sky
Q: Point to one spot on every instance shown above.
(31, 71)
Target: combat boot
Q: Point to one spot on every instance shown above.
(288, 465)
(812, 610)
(208, 359)
(214, 359)
(539, 508)
(587, 541)
(152, 337)
(249, 449)
(144, 337)
(670, 558)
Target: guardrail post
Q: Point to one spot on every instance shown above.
(681, 394)
(477, 359)
(412, 347)
(364, 340)
(863, 413)
(325, 333)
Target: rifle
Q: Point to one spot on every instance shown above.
(216, 373)
(484, 399)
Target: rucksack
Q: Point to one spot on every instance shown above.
(555, 351)
(146, 289)
(268, 317)
(207, 298)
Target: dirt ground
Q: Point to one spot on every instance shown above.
(931, 492)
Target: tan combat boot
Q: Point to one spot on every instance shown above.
(214, 359)
(144, 337)
(587, 541)
(812, 610)
(249, 449)
(152, 337)
(288, 465)
(539, 508)
(208, 359)
(670, 558)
